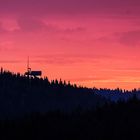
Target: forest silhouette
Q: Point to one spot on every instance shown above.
(36, 108)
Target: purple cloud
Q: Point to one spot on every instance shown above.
(2, 30)
(46, 7)
(130, 38)
(29, 24)
(34, 24)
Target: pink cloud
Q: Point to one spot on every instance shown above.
(9, 24)
(8, 46)
(67, 59)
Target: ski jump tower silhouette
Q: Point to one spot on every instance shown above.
(31, 73)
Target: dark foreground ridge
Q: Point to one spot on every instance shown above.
(116, 121)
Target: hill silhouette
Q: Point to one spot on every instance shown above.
(22, 95)
(37, 108)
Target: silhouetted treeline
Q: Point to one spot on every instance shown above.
(117, 94)
(22, 95)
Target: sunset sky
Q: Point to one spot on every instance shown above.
(94, 43)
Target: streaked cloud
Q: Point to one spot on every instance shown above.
(9, 61)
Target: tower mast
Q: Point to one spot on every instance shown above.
(28, 67)
(28, 64)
